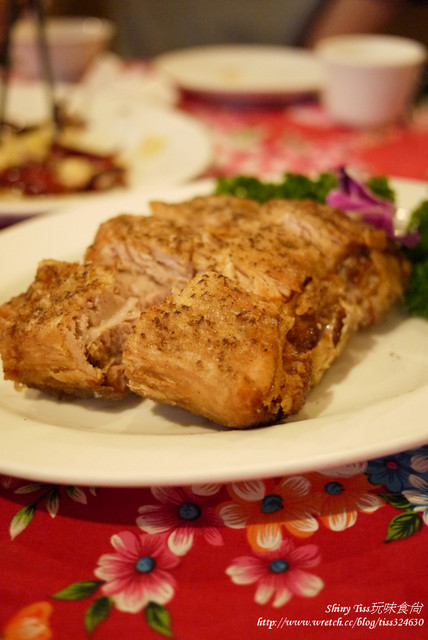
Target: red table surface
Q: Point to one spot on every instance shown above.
(302, 138)
(334, 555)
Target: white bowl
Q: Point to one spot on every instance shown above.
(74, 43)
(370, 80)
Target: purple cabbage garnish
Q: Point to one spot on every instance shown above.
(352, 195)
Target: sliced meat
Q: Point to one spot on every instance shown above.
(233, 229)
(150, 256)
(327, 274)
(263, 260)
(218, 351)
(373, 270)
(66, 333)
(331, 231)
(202, 211)
(243, 306)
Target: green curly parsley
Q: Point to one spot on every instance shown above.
(416, 294)
(294, 186)
(379, 185)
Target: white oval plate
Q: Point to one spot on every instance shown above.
(243, 72)
(159, 144)
(373, 401)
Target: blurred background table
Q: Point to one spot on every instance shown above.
(300, 137)
(339, 552)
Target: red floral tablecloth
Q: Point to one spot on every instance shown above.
(302, 138)
(335, 554)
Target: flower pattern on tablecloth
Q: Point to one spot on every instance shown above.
(274, 516)
(405, 478)
(249, 145)
(265, 507)
(338, 499)
(279, 573)
(30, 623)
(136, 577)
(184, 513)
(400, 471)
(138, 571)
(50, 495)
(419, 502)
(303, 139)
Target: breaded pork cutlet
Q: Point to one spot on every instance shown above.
(228, 308)
(372, 268)
(149, 255)
(206, 211)
(219, 351)
(328, 275)
(66, 333)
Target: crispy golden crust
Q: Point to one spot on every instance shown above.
(243, 307)
(66, 332)
(326, 274)
(216, 350)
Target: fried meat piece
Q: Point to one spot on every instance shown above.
(218, 351)
(373, 270)
(333, 232)
(203, 211)
(150, 256)
(327, 274)
(243, 306)
(262, 260)
(229, 354)
(67, 331)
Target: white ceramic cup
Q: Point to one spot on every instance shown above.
(74, 43)
(369, 80)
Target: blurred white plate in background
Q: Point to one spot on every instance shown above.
(243, 72)
(159, 144)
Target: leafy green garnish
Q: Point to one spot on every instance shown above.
(416, 294)
(419, 222)
(379, 185)
(293, 186)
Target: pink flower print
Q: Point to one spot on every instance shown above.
(138, 571)
(280, 573)
(182, 513)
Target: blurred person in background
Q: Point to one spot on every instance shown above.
(338, 17)
(146, 28)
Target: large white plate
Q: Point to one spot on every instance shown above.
(373, 401)
(243, 72)
(159, 144)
